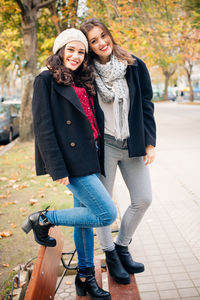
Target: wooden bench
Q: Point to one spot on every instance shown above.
(117, 291)
(43, 281)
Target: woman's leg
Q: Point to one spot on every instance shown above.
(84, 241)
(137, 178)
(99, 209)
(104, 233)
(111, 159)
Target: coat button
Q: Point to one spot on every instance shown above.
(69, 122)
(72, 144)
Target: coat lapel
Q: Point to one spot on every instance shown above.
(130, 74)
(69, 94)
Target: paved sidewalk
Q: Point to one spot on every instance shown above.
(168, 238)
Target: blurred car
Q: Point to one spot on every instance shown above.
(11, 100)
(9, 122)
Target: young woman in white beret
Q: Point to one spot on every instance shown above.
(125, 116)
(66, 147)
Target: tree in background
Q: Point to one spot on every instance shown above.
(34, 23)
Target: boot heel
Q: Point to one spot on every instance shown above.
(80, 291)
(27, 226)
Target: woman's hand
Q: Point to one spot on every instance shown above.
(150, 155)
(64, 180)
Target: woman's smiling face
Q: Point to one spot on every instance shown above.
(74, 54)
(100, 43)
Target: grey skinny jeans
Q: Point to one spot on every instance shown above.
(137, 178)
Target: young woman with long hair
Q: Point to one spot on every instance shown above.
(128, 135)
(66, 147)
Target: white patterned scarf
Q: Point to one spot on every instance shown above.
(111, 85)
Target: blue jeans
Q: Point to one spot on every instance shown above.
(93, 207)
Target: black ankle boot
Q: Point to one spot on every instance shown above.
(115, 268)
(129, 265)
(90, 286)
(40, 231)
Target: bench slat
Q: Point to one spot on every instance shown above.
(43, 280)
(123, 291)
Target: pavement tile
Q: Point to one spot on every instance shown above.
(159, 270)
(162, 277)
(194, 275)
(179, 276)
(191, 298)
(188, 292)
(176, 269)
(163, 286)
(183, 283)
(150, 296)
(197, 282)
(194, 267)
(169, 294)
(144, 279)
(147, 287)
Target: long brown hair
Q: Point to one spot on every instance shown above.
(118, 51)
(83, 76)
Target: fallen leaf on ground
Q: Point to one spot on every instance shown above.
(5, 204)
(33, 181)
(3, 178)
(33, 201)
(68, 282)
(68, 192)
(3, 196)
(5, 233)
(15, 186)
(41, 195)
(13, 225)
(24, 185)
(22, 209)
(5, 265)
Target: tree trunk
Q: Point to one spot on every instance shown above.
(29, 20)
(168, 74)
(189, 73)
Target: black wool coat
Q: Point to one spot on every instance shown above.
(64, 141)
(141, 120)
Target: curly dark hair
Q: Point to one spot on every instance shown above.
(82, 77)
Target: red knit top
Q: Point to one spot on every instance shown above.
(83, 98)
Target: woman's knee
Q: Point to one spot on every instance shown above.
(145, 201)
(110, 217)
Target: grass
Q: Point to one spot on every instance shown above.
(18, 185)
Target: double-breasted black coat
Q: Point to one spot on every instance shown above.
(141, 120)
(64, 141)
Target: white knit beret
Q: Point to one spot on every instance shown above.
(67, 36)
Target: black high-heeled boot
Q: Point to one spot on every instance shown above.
(40, 230)
(115, 268)
(90, 286)
(128, 263)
